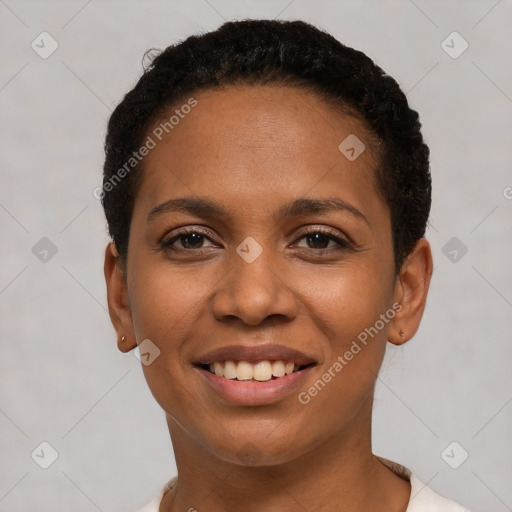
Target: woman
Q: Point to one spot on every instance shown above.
(267, 191)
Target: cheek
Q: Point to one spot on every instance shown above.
(163, 299)
(352, 307)
(348, 299)
(348, 310)
(164, 305)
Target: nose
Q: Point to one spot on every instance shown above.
(254, 292)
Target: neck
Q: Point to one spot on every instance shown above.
(340, 472)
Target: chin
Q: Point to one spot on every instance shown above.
(259, 451)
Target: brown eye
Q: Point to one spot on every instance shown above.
(187, 240)
(318, 240)
(191, 240)
(321, 240)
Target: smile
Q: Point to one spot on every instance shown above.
(254, 375)
(260, 371)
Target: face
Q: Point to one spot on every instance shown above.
(257, 248)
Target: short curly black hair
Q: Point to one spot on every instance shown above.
(292, 53)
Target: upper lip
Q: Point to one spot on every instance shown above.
(255, 353)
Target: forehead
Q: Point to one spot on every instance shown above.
(249, 142)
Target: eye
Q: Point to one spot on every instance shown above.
(188, 239)
(320, 240)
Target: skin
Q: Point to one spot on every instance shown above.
(253, 149)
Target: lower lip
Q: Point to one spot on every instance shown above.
(242, 392)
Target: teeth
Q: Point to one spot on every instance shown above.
(261, 371)
(217, 369)
(229, 370)
(244, 371)
(278, 369)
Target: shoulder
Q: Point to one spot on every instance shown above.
(154, 504)
(424, 499)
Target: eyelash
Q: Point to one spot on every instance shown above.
(342, 244)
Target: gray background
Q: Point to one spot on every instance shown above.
(63, 380)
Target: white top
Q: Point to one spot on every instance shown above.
(423, 499)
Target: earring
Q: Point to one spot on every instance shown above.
(122, 338)
(402, 335)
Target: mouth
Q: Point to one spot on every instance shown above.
(260, 371)
(254, 375)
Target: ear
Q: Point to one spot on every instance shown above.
(411, 291)
(117, 297)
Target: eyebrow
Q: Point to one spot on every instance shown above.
(206, 208)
